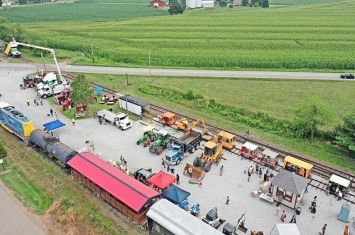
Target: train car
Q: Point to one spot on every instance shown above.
(52, 145)
(300, 167)
(15, 122)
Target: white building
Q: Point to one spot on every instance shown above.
(207, 3)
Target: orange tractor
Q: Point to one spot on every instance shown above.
(168, 119)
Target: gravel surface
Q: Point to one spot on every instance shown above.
(111, 143)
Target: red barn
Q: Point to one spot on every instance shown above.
(158, 4)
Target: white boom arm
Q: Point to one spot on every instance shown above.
(45, 49)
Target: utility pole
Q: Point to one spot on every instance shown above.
(150, 69)
(44, 64)
(125, 93)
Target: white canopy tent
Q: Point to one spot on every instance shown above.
(286, 229)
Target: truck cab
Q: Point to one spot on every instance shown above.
(175, 154)
(48, 91)
(124, 124)
(51, 80)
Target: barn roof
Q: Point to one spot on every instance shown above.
(123, 187)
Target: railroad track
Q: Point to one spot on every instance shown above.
(319, 169)
(24, 60)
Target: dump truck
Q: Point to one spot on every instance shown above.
(161, 143)
(188, 142)
(212, 154)
(148, 136)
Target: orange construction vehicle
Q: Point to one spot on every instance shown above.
(168, 119)
(226, 139)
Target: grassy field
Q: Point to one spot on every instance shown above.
(280, 100)
(296, 37)
(81, 11)
(47, 190)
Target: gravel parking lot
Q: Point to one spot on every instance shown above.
(111, 143)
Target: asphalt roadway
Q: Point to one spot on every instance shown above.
(180, 72)
(13, 219)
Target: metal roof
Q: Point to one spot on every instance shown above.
(340, 181)
(179, 221)
(134, 100)
(290, 182)
(250, 146)
(123, 187)
(298, 162)
(269, 153)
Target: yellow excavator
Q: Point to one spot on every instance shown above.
(186, 126)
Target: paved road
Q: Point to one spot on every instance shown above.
(13, 219)
(182, 72)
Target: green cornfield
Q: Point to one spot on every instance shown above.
(311, 37)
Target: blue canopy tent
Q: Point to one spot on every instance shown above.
(176, 195)
(50, 126)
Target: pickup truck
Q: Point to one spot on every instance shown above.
(189, 142)
(121, 120)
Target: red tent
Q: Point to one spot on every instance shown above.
(162, 180)
(125, 188)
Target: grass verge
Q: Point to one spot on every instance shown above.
(252, 95)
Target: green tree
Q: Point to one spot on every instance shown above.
(175, 7)
(265, 3)
(3, 152)
(23, 2)
(345, 134)
(8, 29)
(82, 92)
(310, 117)
(0, 3)
(222, 3)
(245, 2)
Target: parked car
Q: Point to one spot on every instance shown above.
(347, 76)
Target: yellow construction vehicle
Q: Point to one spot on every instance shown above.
(226, 139)
(10, 49)
(212, 154)
(186, 126)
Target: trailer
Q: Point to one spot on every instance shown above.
(189, 142)
(133, 105)
(121, 120)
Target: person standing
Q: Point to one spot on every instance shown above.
(323, 229)
(41, 101)
(163, 163)
(73, 121)
(293, 218)
(51, 112)
(221, 170)
(283, 216)
(227, 200)
(190, 171)
(28, 102)
(177, 179)
(249, 175)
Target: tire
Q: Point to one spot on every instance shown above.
(196, 162)
(44, 96)
(121, 128)
(138, 142)
(178, 162)
(207, 167)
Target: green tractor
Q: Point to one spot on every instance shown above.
(148, 137)
(161, 143)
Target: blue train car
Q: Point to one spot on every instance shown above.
(15, 122)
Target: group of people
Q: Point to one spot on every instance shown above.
(171, 171)
(261, 171)
(90, 144)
